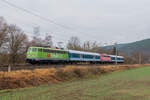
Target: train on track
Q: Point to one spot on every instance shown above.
(37, 55)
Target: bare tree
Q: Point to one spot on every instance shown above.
(16, 42)
(87, 46)
(74, 43)
(3, 31)
(37, 41)
(91, 46)
(48, 41)
(95, 47)
(136, 58)
(113, 50)
(139, 57)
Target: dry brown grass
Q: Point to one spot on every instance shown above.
(26, 78)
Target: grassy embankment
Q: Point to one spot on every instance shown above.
(28, 78)
(120, 85)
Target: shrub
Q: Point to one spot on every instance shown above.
(26, 78)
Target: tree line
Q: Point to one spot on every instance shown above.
(14, 44)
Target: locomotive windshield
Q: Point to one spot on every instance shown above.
(29, 50)
(32, 50)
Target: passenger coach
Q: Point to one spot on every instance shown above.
(80, 56)
(120, 59)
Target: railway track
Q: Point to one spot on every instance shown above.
(32, 67)
(26, 67)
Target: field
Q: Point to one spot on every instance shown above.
(133, 84)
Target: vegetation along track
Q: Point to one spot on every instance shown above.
(32, 67)
(120, 85)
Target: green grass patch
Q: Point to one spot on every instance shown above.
(131, 84)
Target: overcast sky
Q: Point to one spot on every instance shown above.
(105, 21)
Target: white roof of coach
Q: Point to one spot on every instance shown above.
(82, 52)
(115, 56)
(120, 56)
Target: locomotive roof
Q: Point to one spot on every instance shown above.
(48, 48)
(82, 52)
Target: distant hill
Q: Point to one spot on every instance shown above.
(111, 46)
(138, 46)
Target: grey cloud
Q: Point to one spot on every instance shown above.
(101, 20)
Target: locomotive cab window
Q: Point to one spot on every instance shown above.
(34, 49)
(29, 50)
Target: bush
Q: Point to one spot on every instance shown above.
(26, 78)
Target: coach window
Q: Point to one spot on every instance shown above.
(113, 58)
(96, 57)
(85, 56)
(91, 57)
(76, 55)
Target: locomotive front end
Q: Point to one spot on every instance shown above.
(31, 56)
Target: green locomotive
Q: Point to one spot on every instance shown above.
(40, 54)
